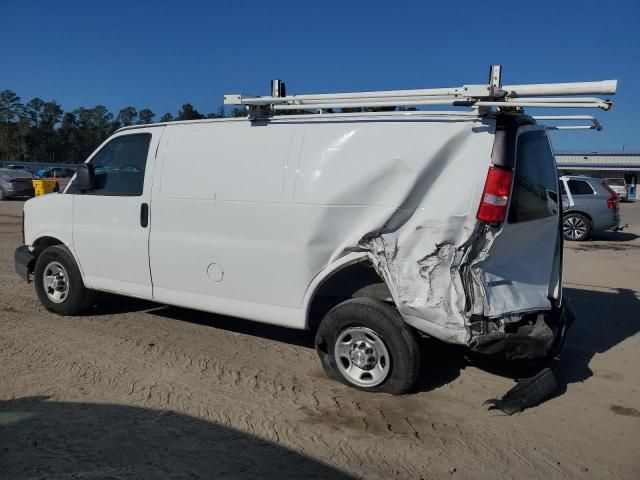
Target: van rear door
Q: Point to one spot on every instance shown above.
(523, 269)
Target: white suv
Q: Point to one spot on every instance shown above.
(618, 185)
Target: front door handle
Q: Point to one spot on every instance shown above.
(144, 215)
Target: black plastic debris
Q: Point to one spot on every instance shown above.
(529, 392)
(532, 391)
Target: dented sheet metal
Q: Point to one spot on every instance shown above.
(421, 271)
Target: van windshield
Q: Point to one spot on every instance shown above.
(535, 187)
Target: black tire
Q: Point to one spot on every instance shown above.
(77, 297)
(576, 227)
(386, 323)
(2, 195)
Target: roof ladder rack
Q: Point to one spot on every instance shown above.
(491, 95)
(595, 124)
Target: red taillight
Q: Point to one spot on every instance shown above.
(612, 201)
(495, 196)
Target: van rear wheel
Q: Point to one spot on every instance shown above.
(365, 343)
(59, 284)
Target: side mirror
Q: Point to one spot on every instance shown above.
(85, 177)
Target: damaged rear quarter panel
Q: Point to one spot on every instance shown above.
(416, 202)
(412, 207)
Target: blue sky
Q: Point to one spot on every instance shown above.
(162, 54)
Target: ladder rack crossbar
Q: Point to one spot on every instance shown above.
(603, 104)
(552, 95)
(407, 95)
(595, 124)
(324, 106)
(571, 127)
(603, 87)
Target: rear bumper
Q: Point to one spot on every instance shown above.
(601, 224)
(537, 336)
(24, 262)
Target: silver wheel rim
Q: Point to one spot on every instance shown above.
(574, 227)
(56, 282)
(362, 356)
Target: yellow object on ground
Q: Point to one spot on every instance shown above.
(43, 186)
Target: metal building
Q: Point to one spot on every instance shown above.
(602, 165)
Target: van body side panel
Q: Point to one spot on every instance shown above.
(389, 188)
(220, 228)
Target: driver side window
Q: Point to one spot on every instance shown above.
(119, 166)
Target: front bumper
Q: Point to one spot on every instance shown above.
(24, 262)
(536, 336)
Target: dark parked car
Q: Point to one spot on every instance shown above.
(15, 183)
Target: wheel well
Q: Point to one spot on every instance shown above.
(584, 214)
(42, 243)
(355, 280)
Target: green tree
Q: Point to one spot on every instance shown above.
(94, 126)
(220, 113)
(23, 130)
(51, 116)
(33, 111)
(188, 112)
(11, 110)
(127, 116)
(35, 144)
(42, 130)
(69, 139)
(145, 116)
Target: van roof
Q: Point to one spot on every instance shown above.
(451, 115)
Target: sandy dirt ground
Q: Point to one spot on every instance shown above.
(139, 390)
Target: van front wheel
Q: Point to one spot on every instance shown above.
(59, 283)
(367, 345)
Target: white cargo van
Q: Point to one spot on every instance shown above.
(369, 228)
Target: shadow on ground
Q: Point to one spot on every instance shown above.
(603, 320)
(301, 338)
(45, 439)
(610, 236)
(111, 304)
